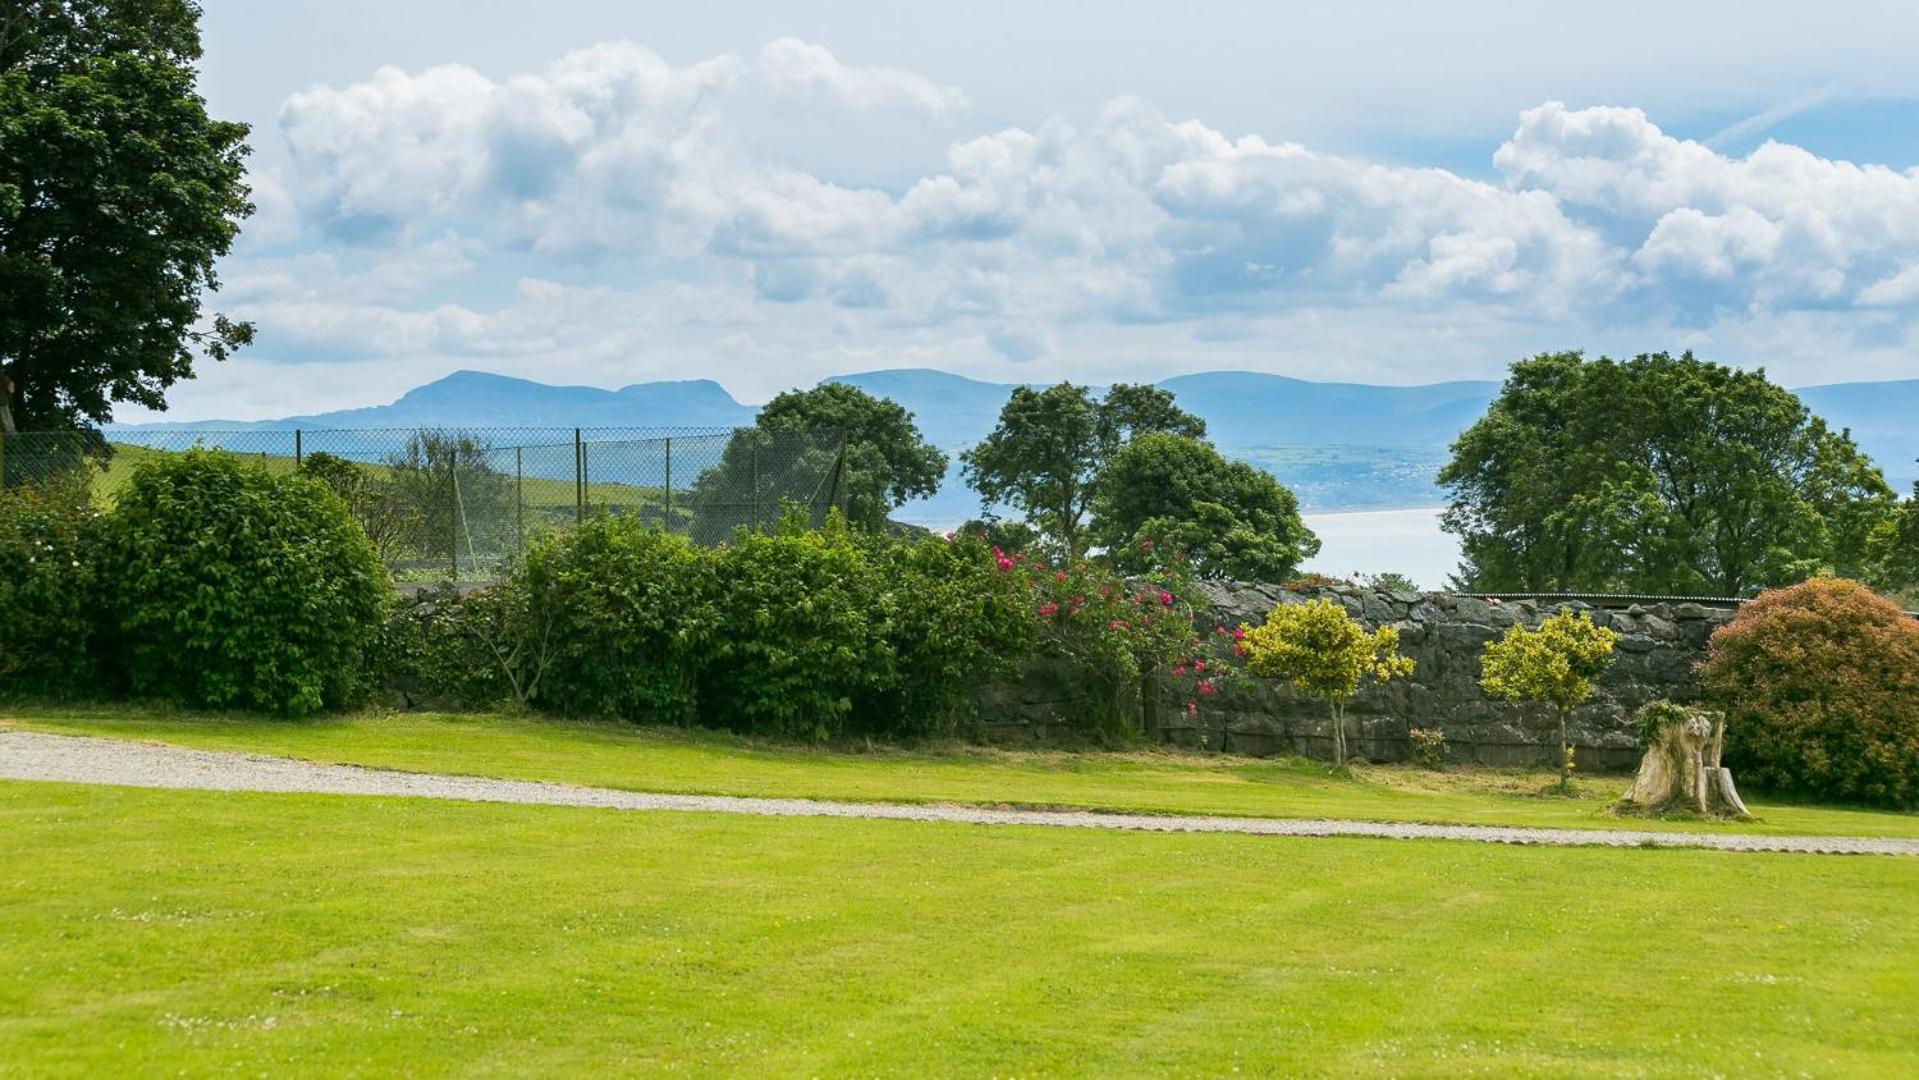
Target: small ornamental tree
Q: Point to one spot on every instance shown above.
(1555, 664)
(1323, 651)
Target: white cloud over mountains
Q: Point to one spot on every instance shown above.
(1133, 243)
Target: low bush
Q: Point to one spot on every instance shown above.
(1429, 747)
(627, 611)
(50, 546)
(1820, 684)
(796, 636)
(233, 587)
(434, 651)
(953, 620)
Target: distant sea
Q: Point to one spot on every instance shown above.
(1375, 541)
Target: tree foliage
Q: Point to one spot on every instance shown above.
(443, 495)
(1657, 474)
(1554, 664)
(1894, 550)
(1820, 683)
(1165, 497)
(1045, 456)
(389, 519)
(1323, 651)
(117, 194)
(804, 445)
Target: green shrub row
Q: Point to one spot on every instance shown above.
(799, 633)
(211, 582)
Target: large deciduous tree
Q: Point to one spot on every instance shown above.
(798, 444)
(1894, 550)
(1657, 474)
(1045, 457)
(1222, 518)
(887, 460)
(117, 194)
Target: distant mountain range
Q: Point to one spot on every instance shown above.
(1340, 445)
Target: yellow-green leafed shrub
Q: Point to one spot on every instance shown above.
(1324, 652)
(1553, 664)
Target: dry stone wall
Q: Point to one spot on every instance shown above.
(1443, 634)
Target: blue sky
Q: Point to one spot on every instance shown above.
(766, 194)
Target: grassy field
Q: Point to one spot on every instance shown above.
(540, 494)
(161, 932)
(622, 756)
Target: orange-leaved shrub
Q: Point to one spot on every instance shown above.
(1820, 683)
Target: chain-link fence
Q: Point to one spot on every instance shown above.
(457, 503)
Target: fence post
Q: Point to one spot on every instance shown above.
(453, 476)
(579, 478)
(669, 483)
(839, 478)
(3, 459)
(756, 484)
(519, 501)
(298, 455)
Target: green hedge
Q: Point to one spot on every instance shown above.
(51, 538)
(233, 587)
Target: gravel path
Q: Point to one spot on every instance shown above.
(28, 755)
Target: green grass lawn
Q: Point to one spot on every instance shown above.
(160, 932)
(622, 756)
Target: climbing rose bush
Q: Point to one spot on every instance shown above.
(1124, 640)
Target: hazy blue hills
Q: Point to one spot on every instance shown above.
(480, 399)
(1341, 446)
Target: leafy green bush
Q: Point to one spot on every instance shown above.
(795, 637)
(630, 616)
(434, 651)
(50, 546)
(1820, 683)
(952, 620)
(235, 587)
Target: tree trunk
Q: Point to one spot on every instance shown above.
(6, 405)
(1339, 734)
(1565, 752)
(1149, 704)
(1681, 771)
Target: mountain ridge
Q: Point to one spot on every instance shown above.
(1244, 410)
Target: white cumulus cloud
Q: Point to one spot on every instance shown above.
(793, 66)
(614, 205)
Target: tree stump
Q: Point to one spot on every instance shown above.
(1681, 769)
